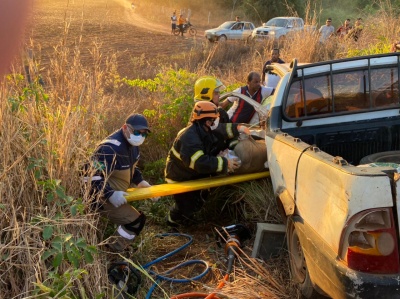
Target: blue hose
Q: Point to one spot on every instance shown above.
(161, 277)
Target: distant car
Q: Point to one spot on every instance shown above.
(279, 28)
(230, 30)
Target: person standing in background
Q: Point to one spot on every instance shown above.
(181, 23)
(174, 19)
(326, 30)
(264, 77)
(343, 30)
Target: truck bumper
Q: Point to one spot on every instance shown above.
(334, 277)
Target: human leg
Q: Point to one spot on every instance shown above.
(186, 205)
(130, 223)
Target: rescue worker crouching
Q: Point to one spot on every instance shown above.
(195, 155)
(112, 171)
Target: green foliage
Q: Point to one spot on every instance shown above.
(152, 171)
(61, 286)
(52, 188)
(67, 248)
(382, 46)
(34, 92)
(172, 92)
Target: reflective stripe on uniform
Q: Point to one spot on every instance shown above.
(112, 141)
(220, 164)
(194, 158)
(229, 130)
(176, 154)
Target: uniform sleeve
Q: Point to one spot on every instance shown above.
(137, 175)
(103, 163)
(193, 157)
(228, 130)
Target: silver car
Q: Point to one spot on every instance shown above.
(230, 30)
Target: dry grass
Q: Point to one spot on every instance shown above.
(47, 133)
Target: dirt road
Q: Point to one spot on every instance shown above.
(111, 24)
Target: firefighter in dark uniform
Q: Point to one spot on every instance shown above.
(113, 169)
(208, 88)
(195, 155)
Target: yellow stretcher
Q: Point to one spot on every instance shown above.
(181, 187)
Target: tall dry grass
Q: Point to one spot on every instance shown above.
(48, 131)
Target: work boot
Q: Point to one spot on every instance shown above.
(120, 240)
(171, 222)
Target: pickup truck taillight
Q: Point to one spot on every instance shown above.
(370, 242)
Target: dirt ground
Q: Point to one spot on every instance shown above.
(112, 24)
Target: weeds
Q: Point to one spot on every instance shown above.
(58, 103)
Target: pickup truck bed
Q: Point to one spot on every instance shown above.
(353, 141)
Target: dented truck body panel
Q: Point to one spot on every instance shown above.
(316, 142)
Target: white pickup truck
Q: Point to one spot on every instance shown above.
(279, 28)
(333, 142)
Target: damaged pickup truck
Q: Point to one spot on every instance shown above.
(333, 142)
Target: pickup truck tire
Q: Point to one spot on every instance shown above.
(390, 156)
(298, 266)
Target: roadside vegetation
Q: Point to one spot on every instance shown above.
(50, 122)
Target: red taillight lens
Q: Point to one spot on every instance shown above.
(370, 242)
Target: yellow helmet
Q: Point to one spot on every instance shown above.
(204, 109)
(205, 87)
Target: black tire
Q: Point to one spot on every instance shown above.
(298, 266)
(177, 31)
(383, 157)
(222, 38)
(192, 31)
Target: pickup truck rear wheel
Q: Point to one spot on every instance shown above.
(298, 266)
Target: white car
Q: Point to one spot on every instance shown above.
(278, 28)
(229, 31)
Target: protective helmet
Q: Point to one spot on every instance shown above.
(205, 86)
(204, 109)
(137, 122)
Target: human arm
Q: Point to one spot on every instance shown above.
(100, 167)
(195, 153)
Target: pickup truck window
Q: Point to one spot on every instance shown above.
(342, 93)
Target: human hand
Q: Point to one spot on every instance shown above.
(243, 129)
(143, 184)
(155, 199)
(233, 164)
(117, 199)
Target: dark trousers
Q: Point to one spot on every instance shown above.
(181, 29)
(186, 204)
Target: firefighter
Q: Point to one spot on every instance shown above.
(195, 155)
(208, 88)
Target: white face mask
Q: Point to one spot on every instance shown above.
(136, 140)
(215, 125)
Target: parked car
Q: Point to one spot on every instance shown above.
(230, 30)
(279, 28)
